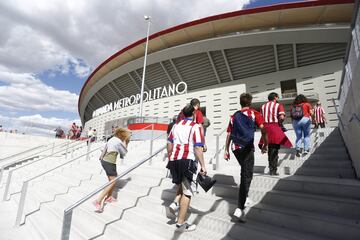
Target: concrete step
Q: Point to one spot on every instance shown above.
(334, 143)
(84, 216)
(329, 164)
(329, 158)
(214, 223)
(326, 172)
(47, 224)
(305, 221)
(327, 205)
(345, 188)
(126, 231)
(155, 224)
(330, 150)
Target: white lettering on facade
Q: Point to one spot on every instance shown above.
(157, 93)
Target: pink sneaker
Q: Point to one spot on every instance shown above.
(98, 207)
(110, 200)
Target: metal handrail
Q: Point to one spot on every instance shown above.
(163, 134)
(337, 113)
(48, 147)
(20, 153)
(152, 142)
(65, 232)
(26, 183)
(217, 151)
(7, 186)
(152, 125)
(3, 167)
(353, 116)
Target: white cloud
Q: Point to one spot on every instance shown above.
(58, 36)
(45, 34)
(24, 91)
(36, 124)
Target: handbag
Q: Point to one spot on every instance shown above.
(103, 153)
(205, 182)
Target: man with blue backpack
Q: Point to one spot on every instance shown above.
(241, 131)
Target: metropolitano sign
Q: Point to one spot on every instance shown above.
(157, 93)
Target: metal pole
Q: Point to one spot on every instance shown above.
(65, 232)
(21, 204)
(72, 153)
(151, 142)
(88, 151)
(217, 152)
(67, 148)
(2, 169)
(7, 186)
(144, 68)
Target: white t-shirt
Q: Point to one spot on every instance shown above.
(116, 145)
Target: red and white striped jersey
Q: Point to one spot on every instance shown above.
(319, 111)
(185, 136)
(253, 115)
(271, 111)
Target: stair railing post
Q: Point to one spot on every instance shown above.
(21, 204)
(151, 142)
(67, 148)
(7, 186)
(88, 152)
(65, 232)
(53, 147)
(72, 153)
(217, 152)
(2, 169)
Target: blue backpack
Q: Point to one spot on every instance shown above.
(243, 130)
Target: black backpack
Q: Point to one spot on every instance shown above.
(297, 112)
(243, 130)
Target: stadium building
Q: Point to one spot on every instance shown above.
(288, 48)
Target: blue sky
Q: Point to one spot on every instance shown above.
(48, 48)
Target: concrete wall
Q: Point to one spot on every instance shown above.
(219, 101)
(349, 102)
(223, 100)
(227, 47)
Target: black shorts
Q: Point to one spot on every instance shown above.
(180, 169)
(110, 168)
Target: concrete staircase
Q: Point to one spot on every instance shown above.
(315, 197)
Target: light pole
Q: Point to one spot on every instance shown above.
(147, 18)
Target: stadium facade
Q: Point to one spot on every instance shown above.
(287, 48)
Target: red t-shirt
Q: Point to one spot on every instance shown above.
(307, 107)
(198, 117)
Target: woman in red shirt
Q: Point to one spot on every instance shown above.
(301, 112)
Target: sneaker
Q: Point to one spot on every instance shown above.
(174, 207)
(98, 207)
(298, 153)
(306, 152)
(110, 200)
(240, 214)
(185, 227)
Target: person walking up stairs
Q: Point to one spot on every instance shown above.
(274, 114)
(185, 144)
(241, 133)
